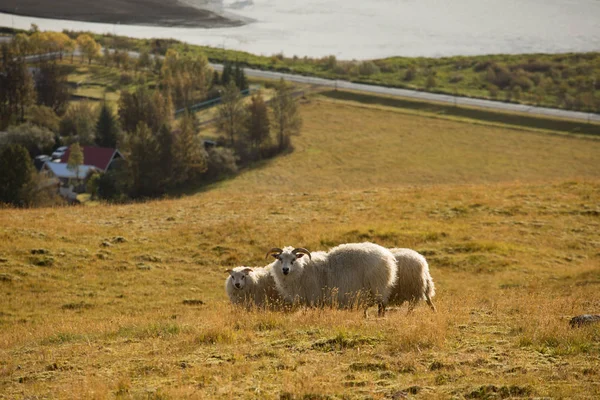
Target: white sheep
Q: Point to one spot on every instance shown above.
(414, 281)
(252, 287)
(348, 275)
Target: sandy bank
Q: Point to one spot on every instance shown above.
(131, 12)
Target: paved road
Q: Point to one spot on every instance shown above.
(413, 94)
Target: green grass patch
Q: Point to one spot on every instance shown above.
(511, 119)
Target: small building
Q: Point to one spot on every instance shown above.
(71, 182)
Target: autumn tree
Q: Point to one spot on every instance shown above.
(79, 123)
(189, 156)
(231, 113)
(52, 87)
(257, 123)
(43, 116)
(22, 44)
(88, 46)
(286, 119)
(75, 160)
(17, 91)
(144, 61)
(154, 109)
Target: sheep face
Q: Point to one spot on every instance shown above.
(290, 260)
(238, 277)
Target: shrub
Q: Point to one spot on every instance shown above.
(126, 78)
(221, 162)
(368, 68)
(410, 74)
(455, 78)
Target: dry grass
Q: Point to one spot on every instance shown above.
(99, 302)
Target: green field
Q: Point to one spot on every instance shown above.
(127, 301)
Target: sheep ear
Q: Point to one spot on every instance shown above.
(229, 271)
(247, 270)
(299, 255)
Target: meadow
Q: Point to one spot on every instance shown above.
(127, 301)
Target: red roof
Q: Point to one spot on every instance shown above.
(100, 157)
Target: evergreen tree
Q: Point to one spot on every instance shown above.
(240, 77)
(215, 80)
(107, 129)
(17, 169)
(142, 153)
(226, 76)
(286, 119)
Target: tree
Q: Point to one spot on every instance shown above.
(75, 158)
(231, 114)
(60, 42)
(16, 87)
(79, 122)
(88, 46)
(227, 74)
(257, 122)
(286, 119)
(52, 87)
(35, 139)
(154, 109)
(165, 160)
(430, 82)
(215, 79)
(17, 169)
(142, 153)
(189, 156)
(22, 44)
(107, 128)
(144, 61)
(43, 116)
(240, 77)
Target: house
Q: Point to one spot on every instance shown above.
(70, 181)
(100, 157)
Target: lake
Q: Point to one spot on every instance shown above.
(352, 29)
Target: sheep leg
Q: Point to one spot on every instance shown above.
(381, 309)
(411, 306)
(428, 299)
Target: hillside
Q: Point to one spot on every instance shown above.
(127, 301)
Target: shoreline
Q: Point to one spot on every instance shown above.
(163, 13)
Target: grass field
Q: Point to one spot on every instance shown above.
(128, 302)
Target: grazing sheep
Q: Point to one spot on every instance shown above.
(414, 282)
(346, 276)
(252, 287)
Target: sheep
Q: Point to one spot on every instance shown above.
(342, 276)
(414, 282)
(252, 287)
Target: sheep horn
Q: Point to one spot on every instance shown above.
(303, 251)
(274, 250)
